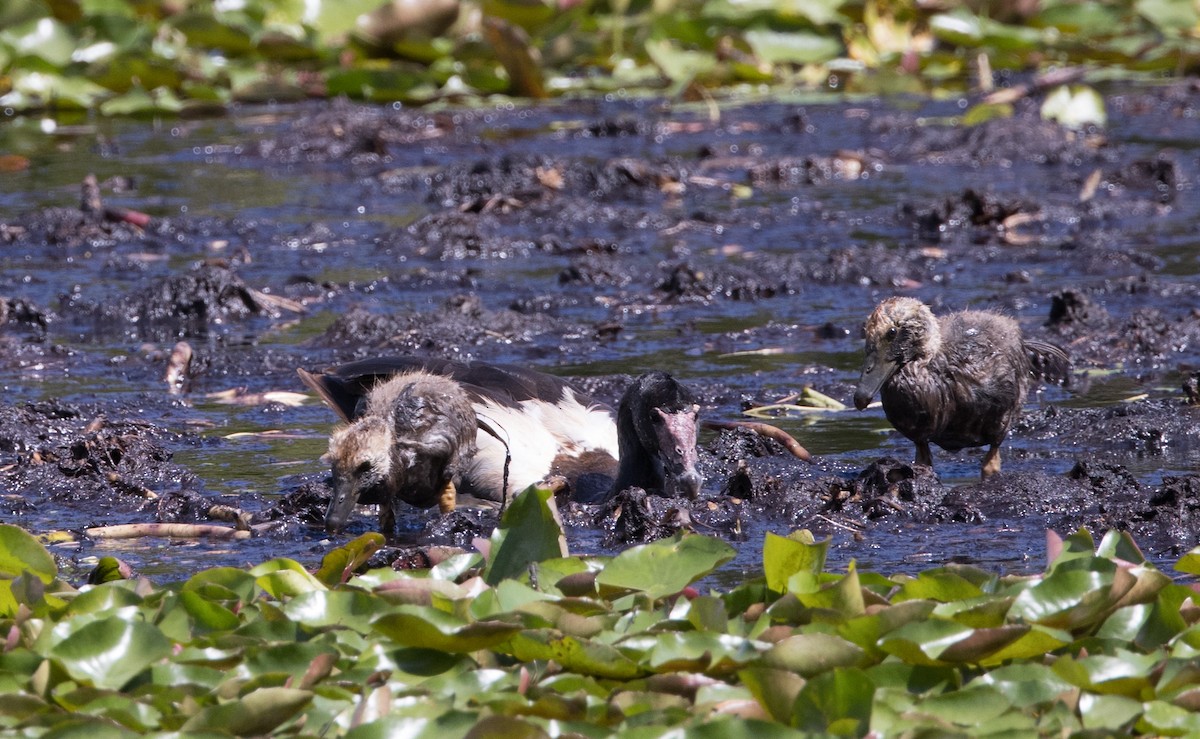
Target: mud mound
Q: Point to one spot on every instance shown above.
(455, 328)
(64, 455)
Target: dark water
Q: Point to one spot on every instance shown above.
(756, 349)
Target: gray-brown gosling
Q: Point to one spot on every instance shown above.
(421, 431)
(956, 381)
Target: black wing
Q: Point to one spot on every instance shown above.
(344, 386)
(1048, 361)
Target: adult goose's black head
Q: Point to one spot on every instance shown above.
(899, 331)
(407, 439)
(656, 431)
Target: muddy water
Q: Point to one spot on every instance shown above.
(597, 240)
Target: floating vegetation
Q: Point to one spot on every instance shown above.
(156, 58)
(528, 640)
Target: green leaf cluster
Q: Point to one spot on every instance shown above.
(1101, 642)
(154, 57)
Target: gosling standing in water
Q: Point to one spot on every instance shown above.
(956, 381)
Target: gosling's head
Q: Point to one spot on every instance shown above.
(408, 443)
(899, 331)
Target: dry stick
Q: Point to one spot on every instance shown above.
(1053, 78)
(838, 524)
(767, 430)
(173, 530)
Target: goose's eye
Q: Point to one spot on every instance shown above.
(891, 333)
(363, 469)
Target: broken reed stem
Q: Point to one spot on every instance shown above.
(767, 430)
(170, 530)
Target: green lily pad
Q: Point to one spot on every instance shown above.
(700, 651)
(812, 654)
(284, 577)
(343, 608)
(799, 47)
(785, 556)
(938, 641)
(775, 690)
(838, 701)
(258, 712)
(665, 567)
(577, 655)
(529, 532)
(112, 651)
(429, 628)
(338, 565)
(20, 552)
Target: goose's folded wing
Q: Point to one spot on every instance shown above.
(342, 397)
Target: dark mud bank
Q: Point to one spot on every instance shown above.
(598, 241)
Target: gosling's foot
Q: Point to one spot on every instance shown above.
(448, 498)
(991, 462)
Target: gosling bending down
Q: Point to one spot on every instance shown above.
(531, 426)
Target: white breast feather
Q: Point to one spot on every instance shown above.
(536, 433)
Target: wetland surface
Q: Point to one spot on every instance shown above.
(739, 250)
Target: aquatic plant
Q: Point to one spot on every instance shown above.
(527, 642)
(155, 57)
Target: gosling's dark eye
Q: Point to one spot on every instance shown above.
(891, 333)
(363, 469)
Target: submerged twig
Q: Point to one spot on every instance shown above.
(1052, 78)
(854, 528)
(171, 530)
(767, 430)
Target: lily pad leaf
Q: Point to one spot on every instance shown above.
(940, 584)
(1068, 597)
(258, 713)
(574, 654)
(785, 556)
(1189, 564)
(812, 654)
(429, 628)
(530, 531)
(774, 689)
(344, 608)
(937, 641)
(840, 699)
(285, 577)
(972, 707)
(676, 64)
(208, 614)
(1124, 672)
(701, 651)
(665, 567)
(338, 565)
(112, 651)
(45, 38)
(776, 47)
(21, 552)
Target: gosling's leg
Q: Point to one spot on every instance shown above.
(923, 454)
(991, 462)
(448, 498)
(387, 519)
